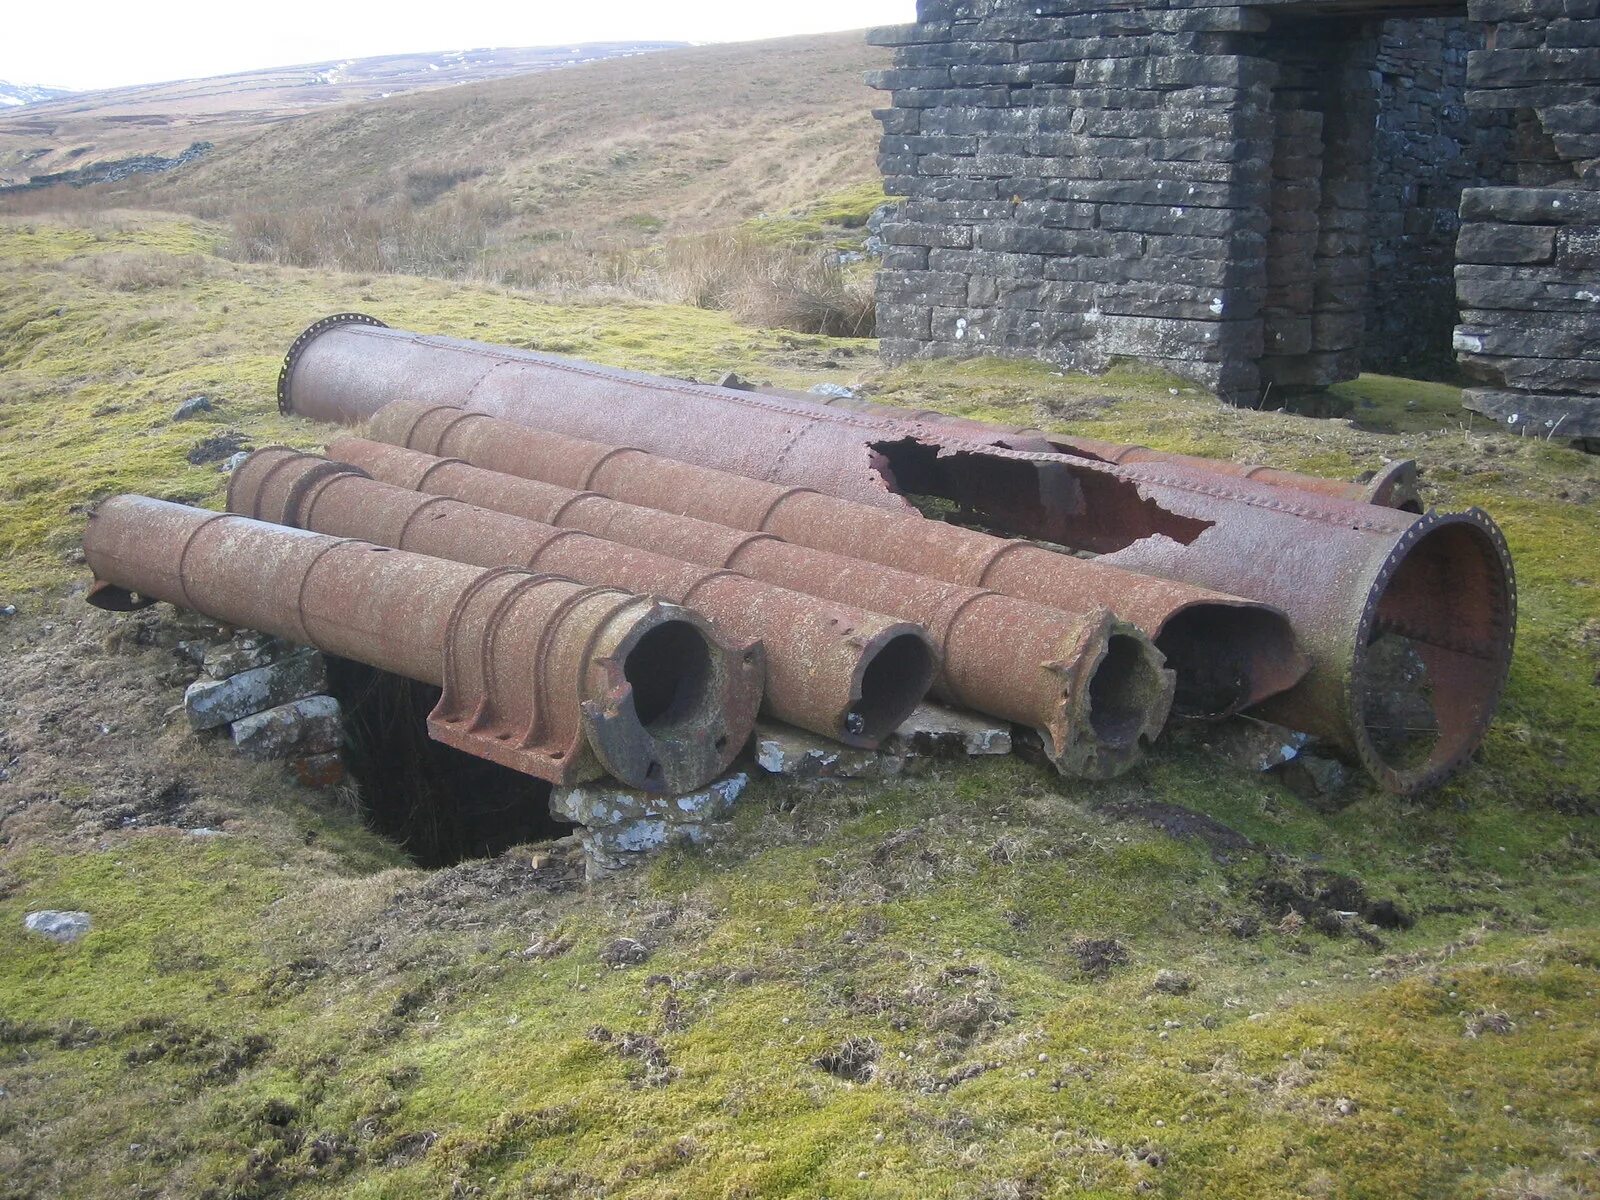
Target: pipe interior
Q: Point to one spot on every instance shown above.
(894, 683)
(1213, 648)
(669, 670)
(1428, 677)
(1119, 691)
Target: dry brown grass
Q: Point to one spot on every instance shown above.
(683, 141)
(145, 272)
(469, 233)
(776, 286)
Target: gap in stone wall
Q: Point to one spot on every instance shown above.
(439, 804)
(1428, 147)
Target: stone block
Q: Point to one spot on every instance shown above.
(57, 925)
(619, 827)
(1540, 335)
(1538, 414)
(606, 804)
(1162, 337)
(1496, 68)
(933, 731)
(243, 652)
(914, 233)
(905, 258)
(299, 729)
(319, 770)
(1531, 372)
(1531, 205)
(1037, 239)
(783, 750)
(1182, 221)
(212, 703)
(1526, 289)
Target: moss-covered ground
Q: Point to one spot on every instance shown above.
(947, 986)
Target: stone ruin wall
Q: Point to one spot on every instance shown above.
(1255, 198)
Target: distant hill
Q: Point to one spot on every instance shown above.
(15, 95)
(45, 131)
(663, 143)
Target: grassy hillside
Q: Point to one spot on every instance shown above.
(164, 118)
(711, 176)
(680, 141)
(947, 986)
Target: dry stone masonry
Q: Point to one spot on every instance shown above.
(1256, 197)
(271, 699)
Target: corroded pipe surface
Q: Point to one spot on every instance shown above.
(1392, 486)
(1336, 567)
(850, 675)
(538, 673)
(1227, 653)
(1093, 687)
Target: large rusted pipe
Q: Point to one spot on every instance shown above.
(538, 673)
(848, 674)
(1227, 653)
(1092, 686)
(1339, 569)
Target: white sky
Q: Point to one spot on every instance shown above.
(84, 44)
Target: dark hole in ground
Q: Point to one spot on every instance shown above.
(440, 804)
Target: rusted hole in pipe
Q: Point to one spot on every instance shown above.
(1119, 691)
(1050, 500)
(441, 805)
(669, 669)
(895, 680)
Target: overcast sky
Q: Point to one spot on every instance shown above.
(83, 44)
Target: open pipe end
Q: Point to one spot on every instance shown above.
(114, 598)
(1229, 656)
(1433, 648)
(1114, 707)
(895, 672)
(298, 347)
(674, 704)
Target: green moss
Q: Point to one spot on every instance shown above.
(840, 218)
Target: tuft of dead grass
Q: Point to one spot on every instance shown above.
(775, 286)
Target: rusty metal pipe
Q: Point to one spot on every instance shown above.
(538, 673)
(1092, 686)
(1334, 566)
(1227, 653)
(848, 674)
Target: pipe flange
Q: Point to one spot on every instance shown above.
(305, 339)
